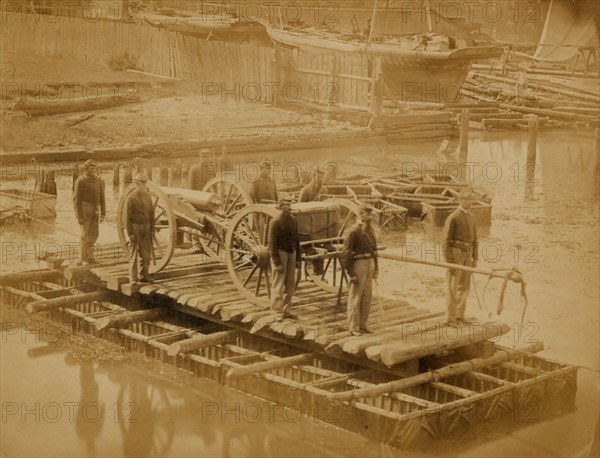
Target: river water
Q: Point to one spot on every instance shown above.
(553, 239)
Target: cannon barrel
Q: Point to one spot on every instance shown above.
(200, 200)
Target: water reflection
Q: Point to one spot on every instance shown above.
(125, 410)
(89, 417)
(145, 415)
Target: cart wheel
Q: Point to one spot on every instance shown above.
(327, 273)
(165, 226)
(233, 197)
(247, 252)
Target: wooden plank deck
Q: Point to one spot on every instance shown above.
(401, 333)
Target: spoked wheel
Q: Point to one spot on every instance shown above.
(327, 273)
(247, 252)
(233, 197)
(165, 226)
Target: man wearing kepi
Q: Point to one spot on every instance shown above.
(201, 172)
(90, 209)
(460, 247)
(263, 189)
(284, 247)
(359, 256)
(140, 227)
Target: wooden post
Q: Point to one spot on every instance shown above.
(598, 152)
(335, 64)
(597, 174)
(116, 175)
(463, 149)
(127, 173)
(373, 21)
(428, 15)
(164, 176)
(75, 175)
(377, 87)
(184, 173)
(275, 72)
(177, 181)
(50, 185)
(149, 169)
(41, 182)
(531, 158)
(170, 173)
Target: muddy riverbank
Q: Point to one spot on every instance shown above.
(553, 239)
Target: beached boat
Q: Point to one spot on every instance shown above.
(193, 24)
(427, 67)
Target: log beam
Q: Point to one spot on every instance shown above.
(502, 355)
(270, 365)
(200, 341)
(123, 319)
(65, 301)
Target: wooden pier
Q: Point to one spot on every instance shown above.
(411, 380)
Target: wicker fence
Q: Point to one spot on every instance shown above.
(257, 72)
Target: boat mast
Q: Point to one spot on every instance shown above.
(428, 15)
(373, 18)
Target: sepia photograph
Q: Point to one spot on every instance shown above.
(300, 228)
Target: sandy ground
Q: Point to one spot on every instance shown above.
(156, 110)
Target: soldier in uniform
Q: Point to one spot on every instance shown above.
(263, 190)
(359, 257)
(90, 209)
(201, 172)
(460, 247)
(314, 189)
(284, 247)
(140, 227)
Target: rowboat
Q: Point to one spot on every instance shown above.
(36, 204)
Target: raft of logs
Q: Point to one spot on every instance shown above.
(409, 383)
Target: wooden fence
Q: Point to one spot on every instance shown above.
(255, 72)
(334, 80)
(158, 51)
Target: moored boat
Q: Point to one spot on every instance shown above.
(424, 67)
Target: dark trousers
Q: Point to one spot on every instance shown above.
(141, 252)
(89, 231)
(284, 283)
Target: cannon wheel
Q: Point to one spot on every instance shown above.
(247, 252)
(165, 225)
(327, 273)
(233, 198)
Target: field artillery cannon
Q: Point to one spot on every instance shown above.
(231, 228)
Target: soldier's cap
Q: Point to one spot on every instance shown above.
(89, 163)
(140, 178)
(284, 199)
(467, 194)
(365, 208)
(204, 152)
(266, 163)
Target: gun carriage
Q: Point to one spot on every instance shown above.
(230, 227)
